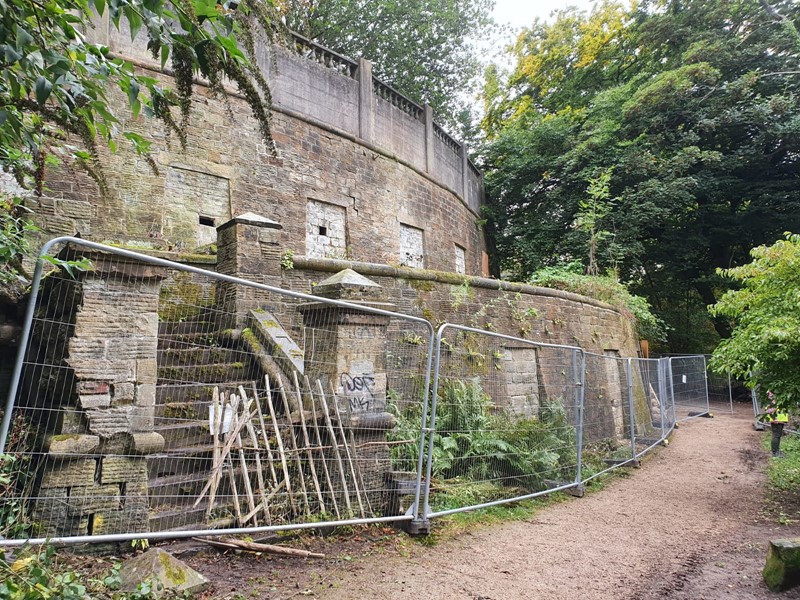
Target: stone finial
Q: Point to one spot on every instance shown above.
(349, 285)
(250, 218)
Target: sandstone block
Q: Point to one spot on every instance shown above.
(71, 444)
(782, 569)
(146, 394)
(158, 565)
(147, 443)
(119, 469)
(60, 473)
(87, 401)
(123, 391)
(85, 500)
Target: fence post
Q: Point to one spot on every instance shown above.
(705, 380)
(630, 407)
(662, 392)
(579, 375)
(730, 391)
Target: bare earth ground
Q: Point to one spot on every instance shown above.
(692, 523)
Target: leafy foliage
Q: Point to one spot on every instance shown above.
(691, 106)
(424, 48)
(764, 348)
(475, 443)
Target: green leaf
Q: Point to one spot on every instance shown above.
(43, 88)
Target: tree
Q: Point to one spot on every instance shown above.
(764, 348)
(424, 48)
(692, 104)
(54, 86)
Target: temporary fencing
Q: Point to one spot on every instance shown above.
(145, 404)
(155, 399)
(505, 420)
(689, 387)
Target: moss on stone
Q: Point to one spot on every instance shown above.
(173, 574)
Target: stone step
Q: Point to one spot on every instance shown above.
(186, 327)
(180, 460)
(198, 355)
(182, 433)
(187, 340)
(209, 373)
(197, 393)
(171, 490)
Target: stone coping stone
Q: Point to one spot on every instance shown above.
(161, 567)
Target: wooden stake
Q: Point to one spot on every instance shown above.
(306, 441)
(347, 451)
(279, 441)
(322, 452)
(293, 446)
(248, 486)
(215, 458)
(223, 455)
(237, 509)
(232, 544)
(355, 457)
(265, 435)
(259, 471)
(336, 454)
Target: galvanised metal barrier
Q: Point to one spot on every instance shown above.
(506, 420)
(145, 405)
(689, 386)
(720, 389)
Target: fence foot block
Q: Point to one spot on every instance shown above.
(416, 527)
(579, 491)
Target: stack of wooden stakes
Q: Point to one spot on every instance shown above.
(245, 438)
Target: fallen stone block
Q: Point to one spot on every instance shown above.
(160, 567)
(782, 570)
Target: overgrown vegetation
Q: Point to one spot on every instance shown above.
(609, 289)
(42, 573)
(479, 452)
(783, 480)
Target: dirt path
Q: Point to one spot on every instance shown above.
(685, 526)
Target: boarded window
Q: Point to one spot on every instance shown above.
(461, 259)
(412, 247)
(326, 230)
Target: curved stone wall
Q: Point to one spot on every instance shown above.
(362, 172)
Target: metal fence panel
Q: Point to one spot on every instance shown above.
(689, 386)
(506, 420)
(146, 405)
(654, 415)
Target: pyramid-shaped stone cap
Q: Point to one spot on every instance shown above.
(349, 285)
(250, 218)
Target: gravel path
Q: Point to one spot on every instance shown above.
(685, 525)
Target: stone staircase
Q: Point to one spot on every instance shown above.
(192, 361)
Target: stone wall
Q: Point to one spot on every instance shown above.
(93, 381)
(344, 140)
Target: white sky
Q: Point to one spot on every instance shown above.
(520, 13)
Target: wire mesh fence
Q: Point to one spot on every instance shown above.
(506, 420)
(152, 399)
(148, 403)
(689, 388)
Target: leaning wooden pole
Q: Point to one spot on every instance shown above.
(281, 450)
(318, 437)
(336, 453)
(293, 446)
(306, 441)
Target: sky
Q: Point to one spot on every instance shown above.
(520, 13)
(517, 14)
